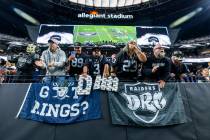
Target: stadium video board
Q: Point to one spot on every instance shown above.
(104, 34)
(64, 31)
(149, 36)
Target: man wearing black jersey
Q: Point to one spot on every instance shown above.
(178, 69)
(97, 64)
(76, 60)
(157, 67)
(128, 62)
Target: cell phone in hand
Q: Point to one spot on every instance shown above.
(73, 53)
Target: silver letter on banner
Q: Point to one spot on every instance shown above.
(87, 89)
(109, 84)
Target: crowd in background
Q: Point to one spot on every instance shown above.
(128, 63)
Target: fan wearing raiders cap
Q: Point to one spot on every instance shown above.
(53, 60)
(76, 60)
(97, 64)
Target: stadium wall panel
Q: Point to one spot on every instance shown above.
(196, 100)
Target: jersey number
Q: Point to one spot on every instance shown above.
(129, 66)
(77, 62)
(96, 69)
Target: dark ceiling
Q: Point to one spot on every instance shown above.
(47, 12)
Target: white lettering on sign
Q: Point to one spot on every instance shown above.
(146, 101)
(44, 92)
(104, 16)
(59, 110)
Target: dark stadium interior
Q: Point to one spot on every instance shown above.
(104, 69)
(154, 14)
(187, 22)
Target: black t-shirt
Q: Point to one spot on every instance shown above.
(126, 67)
(76, 65)
(163, 71)
(96, 65)
(25, 63)
(178, 69)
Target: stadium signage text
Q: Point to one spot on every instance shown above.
(104, 16)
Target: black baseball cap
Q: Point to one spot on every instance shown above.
(77, 44)
(96, 48)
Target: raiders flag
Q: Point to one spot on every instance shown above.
(143, 104)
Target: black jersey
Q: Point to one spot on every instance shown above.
(178, 70)
(126, 67)
(96, 65)
(76, 65)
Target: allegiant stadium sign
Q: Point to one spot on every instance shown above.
(104, 16)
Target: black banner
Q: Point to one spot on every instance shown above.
(144, 104)
(195, 97)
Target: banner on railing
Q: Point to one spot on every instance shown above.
(144, 104)
(53, 103)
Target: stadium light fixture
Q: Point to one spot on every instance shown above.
(185, 18)
(26, 16)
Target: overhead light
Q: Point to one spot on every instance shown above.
(26, 16)
(187, 46)
(109, 3)
(16, 43)
(185, 18)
